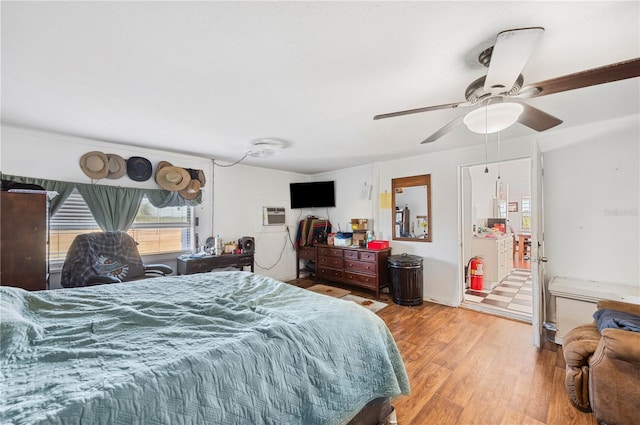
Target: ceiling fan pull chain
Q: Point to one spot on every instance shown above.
(499, 156)
(486, 138)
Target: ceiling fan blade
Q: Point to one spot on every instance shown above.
(444, 130)
(425, 109)
(592, 77)
(536, 119)
(509, 56)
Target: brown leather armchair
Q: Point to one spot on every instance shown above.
(603, 370)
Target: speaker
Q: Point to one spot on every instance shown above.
(247, 244)
(319, 236)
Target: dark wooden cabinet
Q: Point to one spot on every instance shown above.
(365, 268)
(24, 235)
(206, 264)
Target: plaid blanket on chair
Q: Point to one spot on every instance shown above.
(104, 253)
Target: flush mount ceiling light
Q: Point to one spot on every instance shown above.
(493, 118)
(265, 148)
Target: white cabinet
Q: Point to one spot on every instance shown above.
(508, 254)
(497, 256)
(576, 300)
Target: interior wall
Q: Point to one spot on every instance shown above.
(351, 202)
(241, 192)
(516, 180)
(591, 192)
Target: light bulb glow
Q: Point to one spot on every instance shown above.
(493, 118)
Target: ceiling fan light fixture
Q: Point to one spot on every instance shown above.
(493, 118)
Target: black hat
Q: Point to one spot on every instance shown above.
(139, 168)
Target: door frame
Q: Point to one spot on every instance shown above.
(464, 189)
(537, 243)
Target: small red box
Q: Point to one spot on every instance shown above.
(378, 244)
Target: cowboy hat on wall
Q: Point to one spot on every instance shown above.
(173, 179)
(98, 165)
(139, 169)
(197, 182)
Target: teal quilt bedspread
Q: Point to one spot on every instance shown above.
(213, 348)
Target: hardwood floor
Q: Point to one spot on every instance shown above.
(467, 367)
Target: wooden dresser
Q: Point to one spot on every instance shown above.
(366, 268)
(24, 233)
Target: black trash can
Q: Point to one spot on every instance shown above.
(405, 272)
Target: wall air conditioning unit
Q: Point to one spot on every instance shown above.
(273, 216)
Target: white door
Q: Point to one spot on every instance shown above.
(537, 243)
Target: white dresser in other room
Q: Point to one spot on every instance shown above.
(497, 256)
(576, 300)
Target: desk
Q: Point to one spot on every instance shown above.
(207, 263)
(522, 239)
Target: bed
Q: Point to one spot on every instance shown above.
(211, 348)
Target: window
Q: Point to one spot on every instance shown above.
(157, 230)
(160, 230)
(73, 218)
(526, 212)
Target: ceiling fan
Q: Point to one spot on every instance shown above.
(495, 98)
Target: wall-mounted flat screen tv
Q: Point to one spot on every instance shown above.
(312, 195)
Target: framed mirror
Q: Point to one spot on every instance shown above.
(411, 205)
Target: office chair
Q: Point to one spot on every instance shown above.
(106, 257)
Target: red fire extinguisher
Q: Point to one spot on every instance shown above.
(476, 271)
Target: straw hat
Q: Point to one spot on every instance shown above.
(95, 164)
(172, 178)
(192, 191)
(197, 182)
(117, 166)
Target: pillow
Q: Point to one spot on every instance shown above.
(607, 318)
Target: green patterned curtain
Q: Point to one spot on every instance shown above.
(163, 198)
(113, 207)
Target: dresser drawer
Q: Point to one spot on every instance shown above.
(330, 274)
(198, 267)
(351, 254)
(333, 252)
(367, 281)
(360, 267)
(334, 262)
(368, 256)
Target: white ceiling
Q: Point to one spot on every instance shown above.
(210, 77)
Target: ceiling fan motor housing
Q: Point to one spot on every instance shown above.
(475, 91)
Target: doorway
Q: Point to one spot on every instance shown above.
(496, 226)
